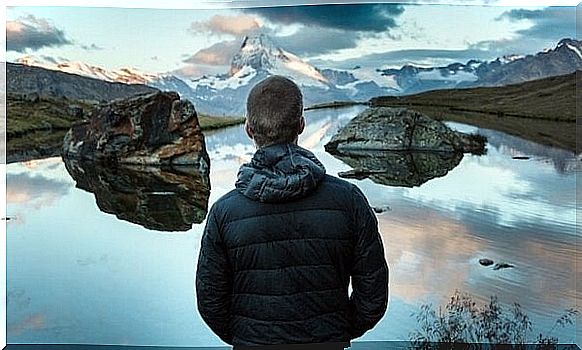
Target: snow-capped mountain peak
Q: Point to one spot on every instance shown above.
(259, 51)
(570, 44)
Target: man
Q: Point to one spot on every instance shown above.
(278, 251)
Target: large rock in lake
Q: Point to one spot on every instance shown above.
(397, 168)
(149, 129)
(157, 198)
(400, 147)
(401, 129)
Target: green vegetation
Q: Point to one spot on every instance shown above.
(542, 111)
(30, 114)
(212, 123)
(463, 321)
(335, 104)
(34, 145)
(35, 127)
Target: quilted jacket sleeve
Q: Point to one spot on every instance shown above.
(214, 281)
(369, 298)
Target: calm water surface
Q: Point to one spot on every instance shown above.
(78, 275)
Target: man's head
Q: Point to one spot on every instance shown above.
(275, 112)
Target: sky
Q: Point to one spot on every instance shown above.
(193, 42)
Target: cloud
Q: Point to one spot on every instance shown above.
(209, 61)
(35, 321)
(92, 47)
(549, 23)
(231, 25)
(33, 33)
(399, 58)
(197, 70)
(312, 41)
(50, 59)
(219, 54)
(549, 26)
(352, 17)
(35, 191)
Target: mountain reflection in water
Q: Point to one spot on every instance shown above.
(161, 199)
(399, 169)
(78, 276)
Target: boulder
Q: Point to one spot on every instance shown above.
(381, 209)
(500, 266)
(486, 262)
(401, 129)
(157, 198)
(398, 169)
(148, 129)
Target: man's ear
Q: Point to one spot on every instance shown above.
(301, 125)
(249, 130)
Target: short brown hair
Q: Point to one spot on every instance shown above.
(274, 111)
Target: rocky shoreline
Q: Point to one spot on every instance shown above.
(400, 147)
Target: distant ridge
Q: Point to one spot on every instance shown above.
(22, 79)
(542, 110)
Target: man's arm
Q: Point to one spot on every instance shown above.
(369, 299)
(214, 281)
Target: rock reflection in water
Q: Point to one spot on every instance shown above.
(161, 199)
(397, 168)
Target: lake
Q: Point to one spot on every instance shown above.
(76, 274)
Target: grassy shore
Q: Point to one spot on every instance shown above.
(27, 116)
(35, 127)
(542, 111)
(335, 104)
(208, 122)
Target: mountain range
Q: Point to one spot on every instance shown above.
(565, 58)
(259, 57)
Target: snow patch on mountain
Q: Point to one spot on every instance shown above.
(238, 79)
(128, 75)
(575, 49)
(457, 76)
(372, 75)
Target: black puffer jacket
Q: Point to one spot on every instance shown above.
(277, 254)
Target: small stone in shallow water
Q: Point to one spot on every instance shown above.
(381, 209)
(486, 262)
(500, 266)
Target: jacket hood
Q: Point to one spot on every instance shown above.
(280, 172)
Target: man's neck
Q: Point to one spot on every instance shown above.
(270, 144)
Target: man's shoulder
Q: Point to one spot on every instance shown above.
(331, 191)
(227, 199)
(338, 184)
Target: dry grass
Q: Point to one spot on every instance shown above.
(542, 111)
(38, 127)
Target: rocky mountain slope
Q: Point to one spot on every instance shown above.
(258, 58)
(33, 80)
(564, 58)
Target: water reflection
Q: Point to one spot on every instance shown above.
(401, 169)
(97, 279)
(161, 199)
